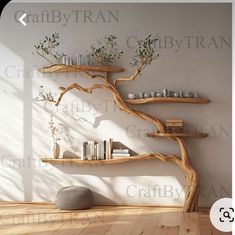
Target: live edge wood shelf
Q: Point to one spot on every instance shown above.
(67, 161)
(182, 161)
(168, 100)
(172, 135)
(77, 68)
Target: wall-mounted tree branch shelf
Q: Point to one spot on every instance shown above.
(182, 161)
(168, 100)
(61, 68)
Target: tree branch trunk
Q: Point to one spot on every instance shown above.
(192, 179)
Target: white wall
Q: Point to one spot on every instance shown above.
(204, 68)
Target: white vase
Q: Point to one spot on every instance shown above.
(56, 151)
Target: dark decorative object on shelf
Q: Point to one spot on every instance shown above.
(141, 95)
(165, 92)
(170, 94)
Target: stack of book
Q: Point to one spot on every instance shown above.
(96, 150)
(120, 153)
(174, 126)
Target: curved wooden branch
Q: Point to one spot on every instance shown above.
(183, 149)
(78, 87)
(91, 75)
(117, 99)
(166, 158)
(192, 179)
(131, 77)
(124, 107)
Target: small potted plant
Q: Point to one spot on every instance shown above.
(55, 131)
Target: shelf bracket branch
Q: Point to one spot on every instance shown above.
(91, 75)
(131, 77)
(117, 99)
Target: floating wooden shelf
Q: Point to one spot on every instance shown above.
(168, 100)
(61, 68)
(168, 135)
(51, 160)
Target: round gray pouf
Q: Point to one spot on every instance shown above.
(74, 198)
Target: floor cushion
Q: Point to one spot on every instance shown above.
(74, 198)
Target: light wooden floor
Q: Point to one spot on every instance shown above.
(44, 219)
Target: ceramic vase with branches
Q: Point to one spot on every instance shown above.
(55, 133)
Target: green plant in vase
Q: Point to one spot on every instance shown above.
(105, 51)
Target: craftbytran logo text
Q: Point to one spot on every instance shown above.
(74, 16)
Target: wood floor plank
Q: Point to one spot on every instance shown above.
(103, 224)
(147, 222)
(45, 219)
(15, 230)
(123, 225)
(189, 224)
(173, 231)
(216, 232)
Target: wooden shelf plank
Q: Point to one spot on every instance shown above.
(169, 135)
(61, 68)
(68, 161)
(168, 100)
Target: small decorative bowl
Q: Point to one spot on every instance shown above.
(176, 94)
(146, 95)
(158, 94)
(131, 96)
